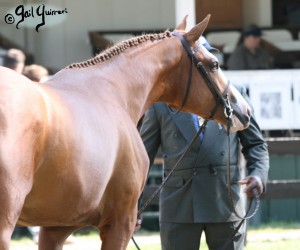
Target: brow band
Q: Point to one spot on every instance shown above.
(197, 47)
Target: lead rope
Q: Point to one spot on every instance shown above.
(136, 245)
(254, 192)
(188, 149)
(228, 113)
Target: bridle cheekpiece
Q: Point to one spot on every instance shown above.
(220, 98)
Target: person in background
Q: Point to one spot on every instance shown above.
(194, 200)
(36, 72)
(15, 60)
(250, 54)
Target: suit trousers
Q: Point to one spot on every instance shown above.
(187, 236)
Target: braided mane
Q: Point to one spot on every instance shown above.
(119, 48)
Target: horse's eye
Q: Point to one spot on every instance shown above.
(214, 66)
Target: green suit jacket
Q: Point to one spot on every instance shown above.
(197, 191)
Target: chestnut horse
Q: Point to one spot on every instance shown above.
(71, 155)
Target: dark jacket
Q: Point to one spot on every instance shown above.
(197, 190)
(243, 59)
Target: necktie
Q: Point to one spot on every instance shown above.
(198, 122)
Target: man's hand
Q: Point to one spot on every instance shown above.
(252, 182)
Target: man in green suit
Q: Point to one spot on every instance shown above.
(195, 199)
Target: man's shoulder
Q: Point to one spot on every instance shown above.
(159, 106)
(240, 49)
(158, 109)
(240, 87)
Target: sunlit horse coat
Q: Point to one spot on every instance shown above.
(70, 153)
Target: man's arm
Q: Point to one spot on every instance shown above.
(150, 133)
(255, 151)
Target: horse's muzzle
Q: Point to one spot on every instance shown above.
(243, 117)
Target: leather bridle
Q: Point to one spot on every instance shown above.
(219, 97)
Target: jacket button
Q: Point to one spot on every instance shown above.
(194, 171)
(222, 153)
(213, 170)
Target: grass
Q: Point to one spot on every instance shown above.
(276, 226)
(271, 236)
(274, 236)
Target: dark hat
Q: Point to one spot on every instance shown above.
(252, 30)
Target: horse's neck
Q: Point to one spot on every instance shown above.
(138, 76)
(133, 78)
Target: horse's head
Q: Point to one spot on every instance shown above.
(204, 89)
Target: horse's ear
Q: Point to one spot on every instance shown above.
(197, 31)
(182, 25)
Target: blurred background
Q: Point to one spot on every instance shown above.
(84, 28)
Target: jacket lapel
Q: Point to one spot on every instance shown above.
(186, 124)
(211, 135)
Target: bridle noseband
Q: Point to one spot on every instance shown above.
(220, 98)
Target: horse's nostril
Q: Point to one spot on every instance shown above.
(249, 112)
